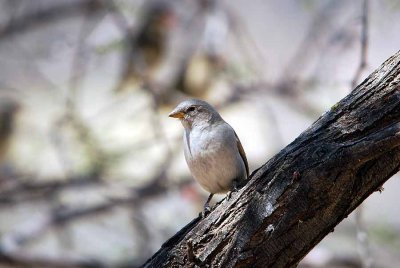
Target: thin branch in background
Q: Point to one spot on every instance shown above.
(71, 117)
(120, 21)
(158, 128)
(364, 44)
(27, 260)
(364, 249)
(30, 21)
(253, 54)
(79, 63)
(30, 190)
(60, 148)
(272, 120)
(291, 78)
(63, 236)
(63, 216)
(143, 228)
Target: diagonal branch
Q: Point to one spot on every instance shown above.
(297, 198)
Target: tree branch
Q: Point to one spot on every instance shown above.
(294, 200)
(33, 20)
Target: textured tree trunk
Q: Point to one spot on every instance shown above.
(294, 200)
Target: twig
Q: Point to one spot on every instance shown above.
(119, 19)
(363, 246)
(71, 117)
(22, 190)
(59, 146)
(32, 261)
(364, 44)
(62, 217)
(316, 36)
(45, 16)
(248, 46)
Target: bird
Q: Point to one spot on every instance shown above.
(212, 149)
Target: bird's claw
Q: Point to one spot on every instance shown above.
(230, 194)
(205, 212)
(234, 189)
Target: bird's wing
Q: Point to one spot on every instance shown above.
(242, 154)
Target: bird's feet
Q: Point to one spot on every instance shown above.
(230, 194)
(207, 208)
(236, 185)
(205, 212)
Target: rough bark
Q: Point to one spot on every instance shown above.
(294, 200)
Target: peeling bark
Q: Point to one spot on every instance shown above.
(294, 200)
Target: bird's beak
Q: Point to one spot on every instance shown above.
(177, 114)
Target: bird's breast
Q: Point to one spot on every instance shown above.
(213, 160)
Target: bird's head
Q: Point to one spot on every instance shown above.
(194, 113)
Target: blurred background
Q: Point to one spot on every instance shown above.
(91, 168)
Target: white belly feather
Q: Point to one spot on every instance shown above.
(214, 159)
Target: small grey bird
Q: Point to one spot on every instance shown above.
(212, 149)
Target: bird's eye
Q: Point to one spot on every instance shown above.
(191, 109)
